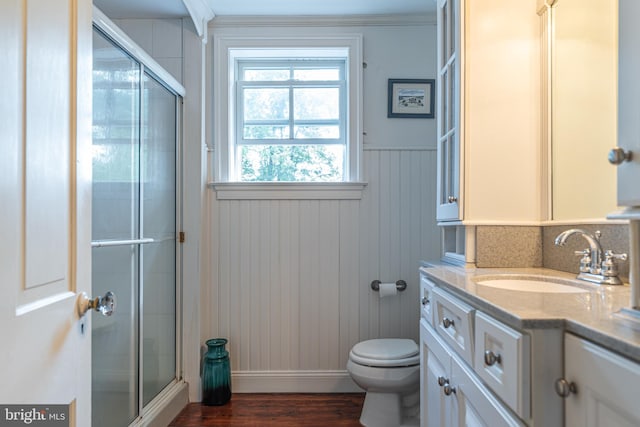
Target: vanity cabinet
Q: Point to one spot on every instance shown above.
(628, 102)
(601, 387)
(452, 394)
(478, 371)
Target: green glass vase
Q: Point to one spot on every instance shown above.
(216, 373)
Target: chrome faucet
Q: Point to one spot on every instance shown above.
(593, 268)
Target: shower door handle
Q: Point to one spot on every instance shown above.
(105, 305)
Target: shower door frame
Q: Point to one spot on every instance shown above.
(150, 67)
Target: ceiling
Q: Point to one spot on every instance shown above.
(176, 8)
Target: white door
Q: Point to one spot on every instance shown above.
(45, 209)
(628, 102)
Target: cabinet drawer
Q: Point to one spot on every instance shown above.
(453, 320)
(502, 361)
(426, 298)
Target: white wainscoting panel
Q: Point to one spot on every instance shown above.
(290, 287)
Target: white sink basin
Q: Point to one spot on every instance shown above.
(530, 285)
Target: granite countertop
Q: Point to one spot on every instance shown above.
(590, 314)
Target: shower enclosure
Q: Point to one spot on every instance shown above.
(136, 126)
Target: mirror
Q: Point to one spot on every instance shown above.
(583, 64)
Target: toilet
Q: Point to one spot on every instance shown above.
(389, 371)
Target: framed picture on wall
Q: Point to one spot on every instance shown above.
(411, 98)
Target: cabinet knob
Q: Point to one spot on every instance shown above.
(446, 322)
(452, 199)
(442, 381)
(448, 390)
(618, 156)
(564, 388)
(490, 358)
(424, 300)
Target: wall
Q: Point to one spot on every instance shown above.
(289, 280)
(160, 38)
(533, 246)
(615, 237)
(290, 284)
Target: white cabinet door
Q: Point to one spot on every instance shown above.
(435, 406)
(629, 102)
(606, 386)
(45, 210)
(448, 110)
(476, 406)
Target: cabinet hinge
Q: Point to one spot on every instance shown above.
(181, 237)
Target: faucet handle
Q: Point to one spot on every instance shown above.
(609, 254)
(609, 267)
(585, 261)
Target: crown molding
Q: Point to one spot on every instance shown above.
(201, 13)
(323, 21)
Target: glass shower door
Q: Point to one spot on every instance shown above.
(158, 163)
(115, 213)
(134, 235)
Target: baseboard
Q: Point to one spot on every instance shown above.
(293, 382)
(163, 409)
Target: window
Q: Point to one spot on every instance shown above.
(290, 119)
(287, 115)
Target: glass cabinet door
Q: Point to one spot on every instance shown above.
(448, 111)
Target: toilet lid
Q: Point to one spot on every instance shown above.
(386, 352)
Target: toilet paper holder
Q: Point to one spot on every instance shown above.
(401, 285)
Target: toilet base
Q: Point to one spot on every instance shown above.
(389, 410)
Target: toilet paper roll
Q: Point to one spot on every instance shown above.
(388, 289)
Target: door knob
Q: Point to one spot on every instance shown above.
(618, 156)
(105, 305)
(564, 388)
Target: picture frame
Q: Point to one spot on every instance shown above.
(411, 98)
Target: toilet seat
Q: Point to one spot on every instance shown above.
(386, 352)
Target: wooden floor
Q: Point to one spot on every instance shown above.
(281, 410)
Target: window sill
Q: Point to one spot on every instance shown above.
(288, 190)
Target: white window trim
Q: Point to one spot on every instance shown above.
(223, 118)
(288, 190)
